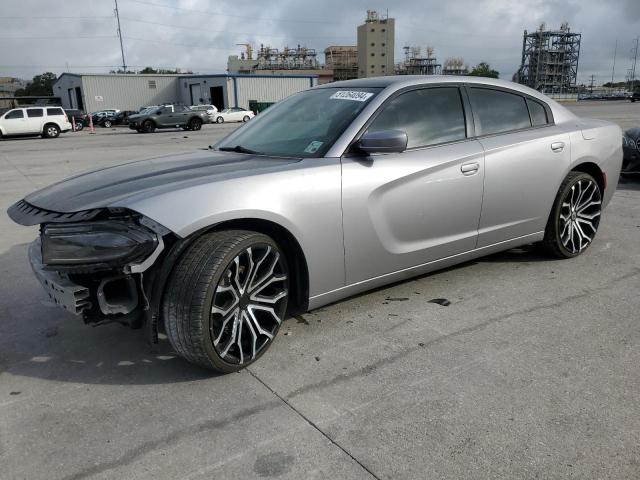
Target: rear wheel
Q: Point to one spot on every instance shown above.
(246, 118)
(50, 131)
(195, 124)
(575, 216)
(226, 299)
(219, 120)
(148, 127)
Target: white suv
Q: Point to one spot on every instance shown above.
(45, 121)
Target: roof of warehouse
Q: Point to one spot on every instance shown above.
(189, 75)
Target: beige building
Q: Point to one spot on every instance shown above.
(343, 60)
(376, 46)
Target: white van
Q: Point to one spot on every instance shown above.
(45, 121)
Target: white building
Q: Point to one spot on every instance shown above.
(94, 92)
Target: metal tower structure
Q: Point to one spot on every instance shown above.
(415, 63)
(550, 59)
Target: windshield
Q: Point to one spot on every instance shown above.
(303, 125)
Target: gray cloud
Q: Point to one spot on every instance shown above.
(202, 33)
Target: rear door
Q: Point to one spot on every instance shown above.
(405, 209)
(525, 157)
(35, 120)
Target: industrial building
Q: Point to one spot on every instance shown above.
(550, 59)
(94, 92)
(455, 66)
(342, 60)
(418, 63)
(376, 43)
(272, 61)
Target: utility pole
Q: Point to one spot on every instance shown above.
(591, 84)
(633, 65)
(124, 65)
(613, 70)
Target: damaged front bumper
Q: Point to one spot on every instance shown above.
(68, 295)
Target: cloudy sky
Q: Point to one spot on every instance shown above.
(80, 35)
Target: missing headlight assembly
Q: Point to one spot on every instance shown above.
(95, 268)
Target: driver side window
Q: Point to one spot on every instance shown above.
(428, 116)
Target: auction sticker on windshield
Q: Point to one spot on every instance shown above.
(351, 95)
(313, 147)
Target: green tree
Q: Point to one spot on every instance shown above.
(483, 69)
(41, 85)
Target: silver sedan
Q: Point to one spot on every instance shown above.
(333, 191)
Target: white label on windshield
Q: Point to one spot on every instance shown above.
(313, 147)
(351, 95)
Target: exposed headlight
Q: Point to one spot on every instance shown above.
(109, 243)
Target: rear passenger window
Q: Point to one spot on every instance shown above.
(14, 114)
(35, 112)
(428, 116)
(537, 112)
(497, 111)
(54, 111)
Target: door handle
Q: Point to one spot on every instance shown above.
(557, 146)
(469, 168)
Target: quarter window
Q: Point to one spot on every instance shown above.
(54, 111)
(496, 111)
(428, 116)
(14, 114)
(35, 112)
(537, 112)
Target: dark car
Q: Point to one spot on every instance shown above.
(119, 118)
(630, 145)
(634, 96)
(167, 116)
(77, 118)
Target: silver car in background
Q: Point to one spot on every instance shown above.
(333, 191)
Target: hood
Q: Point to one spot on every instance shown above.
(107, 186)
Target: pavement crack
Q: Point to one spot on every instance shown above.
(368, 369)
(313, 425)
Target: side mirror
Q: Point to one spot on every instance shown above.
(384, 141)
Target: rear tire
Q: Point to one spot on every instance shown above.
(246, 118)
(575, 216)
(50, 131)
(148, 126)
(195, 124)
(226, 298)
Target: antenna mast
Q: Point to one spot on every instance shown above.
(124, 65)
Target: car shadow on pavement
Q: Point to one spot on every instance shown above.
(39, 339)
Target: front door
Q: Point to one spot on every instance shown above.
(406, 209)
(15, 122)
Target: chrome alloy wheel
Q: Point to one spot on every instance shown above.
(580, 215)
(248, 304)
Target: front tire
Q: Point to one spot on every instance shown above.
(219, 120)
(195, 124)
(226, 299)
(148, 127)
(107, 124)
(575, 216)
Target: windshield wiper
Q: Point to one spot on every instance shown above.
(239, 149)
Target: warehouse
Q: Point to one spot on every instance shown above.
(94, 92)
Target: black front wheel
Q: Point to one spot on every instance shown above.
(226, 299)
(148, 127)
(575, 216)
(195, 124)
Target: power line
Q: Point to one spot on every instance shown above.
(192, 45)
(57, 37)
(29, 17)
(244, 17)
(191, 27)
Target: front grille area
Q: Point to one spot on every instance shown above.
(26, 214)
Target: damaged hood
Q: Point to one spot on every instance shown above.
(108, 186)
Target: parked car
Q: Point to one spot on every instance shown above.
(120, 118)
(234, 114)
(333, 191)
(30, 121)
(167, 116)
(631, 151)
(77, 118)
(211, 111)
(634, 96)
